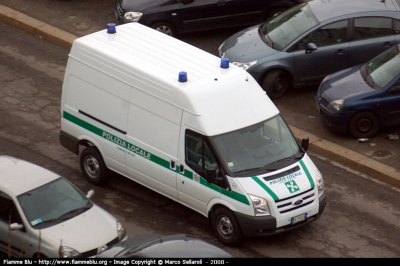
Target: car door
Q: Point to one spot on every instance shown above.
(19, 243)
(247, 12)
(331, 54)
(370, 37)
(193, 190)
(197, 15)
(391, 103)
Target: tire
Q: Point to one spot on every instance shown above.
(226, 227)
(276, 83)
(164, 27)
(93, 166)
(364, 125)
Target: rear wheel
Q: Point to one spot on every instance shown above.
(165, 28)
(93, 166)
(226, 227)
(364, 125)
(276, 83)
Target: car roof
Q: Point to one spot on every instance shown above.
(18, 176)
(327, 9)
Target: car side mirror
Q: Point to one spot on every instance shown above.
(310, 47)
(304, 143)
(90, 194)
(16, 226)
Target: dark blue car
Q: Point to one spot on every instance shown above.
(361, 99)
(183, 16)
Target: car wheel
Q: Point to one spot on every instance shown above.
(226, 227)
(276, 83)
(275, 13)
(93, 166)
(164, 27)
(364, 125)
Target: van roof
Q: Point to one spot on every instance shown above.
(151, 61)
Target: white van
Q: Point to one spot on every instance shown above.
(190, 126)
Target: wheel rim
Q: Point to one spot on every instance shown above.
(165, 30)
(225, 227)
(279, 85)
(92, 166)
(364, 125)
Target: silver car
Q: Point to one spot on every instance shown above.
(44, 215)
(307, 42)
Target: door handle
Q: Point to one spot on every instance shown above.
(386, 44)
(340, 52)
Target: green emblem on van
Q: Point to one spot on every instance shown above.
(292, 186)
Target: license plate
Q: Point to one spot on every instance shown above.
(299, 218)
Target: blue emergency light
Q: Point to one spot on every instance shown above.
(111, 28)
(224, 62)
(182, 76)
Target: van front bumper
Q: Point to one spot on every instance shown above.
(256, 226)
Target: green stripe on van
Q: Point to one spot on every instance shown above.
(310, 179)
(269, 191)
(145, 154)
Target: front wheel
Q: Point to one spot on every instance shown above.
(226, 227)
(165, 28)
(276, 83)
(93, 166)
(364, 125)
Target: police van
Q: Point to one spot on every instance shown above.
(190, 126)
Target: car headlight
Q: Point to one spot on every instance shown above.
(67, 252)
(336, 105)
(245, 66)
(133, 16)
(320, 183)
(121, 231)
(260, 206)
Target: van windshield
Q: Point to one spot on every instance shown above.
(257, 149)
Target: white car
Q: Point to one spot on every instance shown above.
(44, 215)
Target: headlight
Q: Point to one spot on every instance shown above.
(67, 252)
(133, 16)
(245, 66)
(121, 231)
(336, 105)
(260, 206)
(320, 183)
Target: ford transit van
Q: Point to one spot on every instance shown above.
(190, 126)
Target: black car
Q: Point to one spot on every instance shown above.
(161, 246)
(183, 16)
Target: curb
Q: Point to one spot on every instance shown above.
(326, 148)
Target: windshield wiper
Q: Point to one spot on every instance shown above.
(75, 212)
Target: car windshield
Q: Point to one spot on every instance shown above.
(283, 29)
(382, 69)
(257, 149)
(53, 203)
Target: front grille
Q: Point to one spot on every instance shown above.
(287, 205)
(95, 251)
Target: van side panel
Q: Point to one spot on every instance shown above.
(100, 101)
(155, 128)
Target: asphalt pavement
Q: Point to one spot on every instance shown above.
(62, 21)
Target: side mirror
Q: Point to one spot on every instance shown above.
(304, 143)
(16, 226)
(311, 47)
(90, 194)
